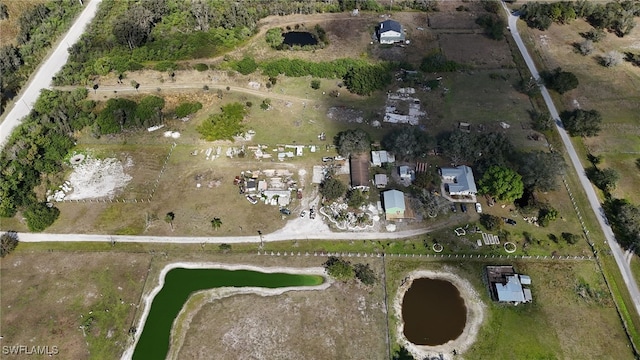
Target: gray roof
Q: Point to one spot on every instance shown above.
(511, 291)
(388, 25)
(525, 280)
(463, 177)
(393, 199)
(380, 179)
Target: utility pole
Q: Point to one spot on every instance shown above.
(261, 240)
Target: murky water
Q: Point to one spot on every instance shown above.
(299, 38)
(180, 283)
(433, 312)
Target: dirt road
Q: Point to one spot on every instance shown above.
(42, 78)
(616, 250)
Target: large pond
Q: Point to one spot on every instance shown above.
(299, 38)
(433, 312)
(180, 283)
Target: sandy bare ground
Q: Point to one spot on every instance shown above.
(219, 293)
(475, 316)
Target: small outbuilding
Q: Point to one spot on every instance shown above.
(378, 158)
(508, 286)
(381, 180)
(390, 32)
(394, 206)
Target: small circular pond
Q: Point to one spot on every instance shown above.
(433, 312)
(300, 38)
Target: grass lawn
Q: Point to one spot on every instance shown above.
(553, 326)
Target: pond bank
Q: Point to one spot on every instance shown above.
(223, 291)
(475, 316)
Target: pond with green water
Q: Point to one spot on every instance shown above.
(180, 283)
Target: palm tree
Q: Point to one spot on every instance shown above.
(215, 223)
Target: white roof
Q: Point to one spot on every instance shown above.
(525, 280)
(463, 179)
(511, 291)
(380, 179)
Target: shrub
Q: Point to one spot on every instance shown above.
(201, 67)
(437, 62)
(8, 243)
(490, 222)
(546, 215)
(365, 274)
(570, 238)
(339, 269)
(611, 59)
(246, 66)
(225, 125)
(165, 66)
(560, 81)
(40, 216)
(315, 84)
(187, 108)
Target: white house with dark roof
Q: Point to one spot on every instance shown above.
(459, 180)
(390, 32)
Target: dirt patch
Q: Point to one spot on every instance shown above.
(344, 321)
(98, 178)
(47, 296)
(477, 50)
(475, 315)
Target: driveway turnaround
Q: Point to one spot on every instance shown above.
(596, 206)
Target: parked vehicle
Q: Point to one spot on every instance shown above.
(252, 199)
(327, 159)
(312, 213)
(285, 211)
(303, 214)
(453, 208)
(509, 221)
(478, 208)
(463, 207)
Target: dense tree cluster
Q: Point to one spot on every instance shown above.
(120, 114)
(332, 189)
(559, 80)
(297, 67)
(501, 182)
(131, 33)
(38, 27)
(363, 80)
(437, 62)
(343, 270)
(603, 179)
(540, 170)
(351, 142)
(482, 150)
(625, 220)
(408, 143)
(8, 243)
(493, 25)
(615, 16)
(187, 108)
(37, 148)
(224, 125)
(582, 122)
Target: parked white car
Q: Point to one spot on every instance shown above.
(478, 208)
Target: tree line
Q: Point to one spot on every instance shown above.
(38, 27)
(36, 149)
(615, 16)
(128, 35)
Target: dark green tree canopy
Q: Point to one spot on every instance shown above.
(8, 243)
(339, 268)
(351, 142)
(224, 125)
(332, 188)
(582, 122)
(408, 143)
(540, 170)
(560, 81)
(501, 182)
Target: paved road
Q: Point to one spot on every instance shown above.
(42, 78)
(616, 250)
